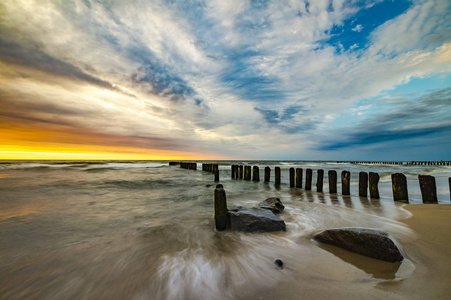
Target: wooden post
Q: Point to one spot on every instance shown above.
(363, 184)
(256, 174)
(449, 182)
(267, 174)
(308, 179)
(233, 171)
(299, 177)
(428, 188)
(247, 172)
(373, 181)
(217, 176)
(221, 212)
(345, 181)
(332, 181)
(277, 173)
(319, 180)
(241, 171)
(399, 185)
(291, 177)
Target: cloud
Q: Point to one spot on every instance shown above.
(220, 75)
(357, 28)
(406, 119)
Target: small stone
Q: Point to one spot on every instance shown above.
(274, 204)
(279, 263)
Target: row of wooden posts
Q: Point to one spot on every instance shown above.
(184, 165)
(213, 168)
(404, 163)
(367, 181)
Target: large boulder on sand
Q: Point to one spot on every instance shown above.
(369, 242)
(254, 220)
(273, 203)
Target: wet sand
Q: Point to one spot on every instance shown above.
(351, 276)
(430, 252)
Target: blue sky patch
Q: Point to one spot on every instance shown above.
(354, 33)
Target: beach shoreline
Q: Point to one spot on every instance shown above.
(428, 250)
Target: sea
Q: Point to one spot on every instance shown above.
(145, 230)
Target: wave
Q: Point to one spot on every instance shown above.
(80, 165)
(138, 184)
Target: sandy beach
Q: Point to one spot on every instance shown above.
(428, 251)
(145, 230)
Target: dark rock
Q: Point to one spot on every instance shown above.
(208, 185)
(274, 204)
(279, 263)
(254, 220)
(369, 242)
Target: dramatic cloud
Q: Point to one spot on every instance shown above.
(231, 79)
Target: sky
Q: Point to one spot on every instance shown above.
(256, 79)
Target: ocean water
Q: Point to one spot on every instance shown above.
(145, 230)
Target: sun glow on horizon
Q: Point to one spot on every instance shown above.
(71, 154)
(51, 142)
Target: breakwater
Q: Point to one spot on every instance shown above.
(367, 181)
(402, 163)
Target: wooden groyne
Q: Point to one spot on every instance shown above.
(401, 163)
(184, 165)
(367, 181)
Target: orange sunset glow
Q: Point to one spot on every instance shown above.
(21, 142)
